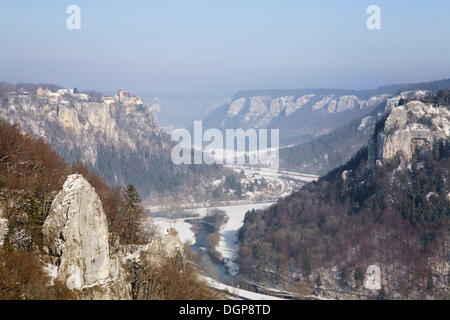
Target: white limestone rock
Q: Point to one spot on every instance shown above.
(414, 125)
(346, 175)
(288, 104)
(299, 103)
(85, 256)
(76, 233)
(365, 122)
(347, 103)
(373, 278)
(329, 101)
(168, 245)
(235, 107)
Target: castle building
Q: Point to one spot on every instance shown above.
(126, 98)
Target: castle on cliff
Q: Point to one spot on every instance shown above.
(126, 98)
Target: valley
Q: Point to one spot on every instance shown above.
(241, 221)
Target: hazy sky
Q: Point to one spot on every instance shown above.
(222, 46)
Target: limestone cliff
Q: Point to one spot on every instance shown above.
(304, 114)
(103, 132)
(415, 125)
(299, 114)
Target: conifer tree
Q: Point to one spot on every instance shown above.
(134, 212)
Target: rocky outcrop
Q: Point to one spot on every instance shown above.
(76, 240)
(76, 235)
(154, 252)
(373, 278)
(410, 127)
(346, 175)
(82, 254)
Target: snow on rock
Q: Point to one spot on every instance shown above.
(373, 278)
(182, 227)
(347, 103)
(76, 234)
(51, 271)
(345, 175)
(289, 104)
(235, 107)
(365, 122)
(410, 126)
(167, 246)
(160, 247)
(328, 100)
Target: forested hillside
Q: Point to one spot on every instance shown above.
(392, 215)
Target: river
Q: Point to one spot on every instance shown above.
(225, 270)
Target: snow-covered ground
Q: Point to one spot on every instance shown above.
(269, 172)
(239, 292)
(183, 228)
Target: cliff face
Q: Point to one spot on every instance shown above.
(299, 114)
(261, 109)
(415, 125)
(88, 128)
